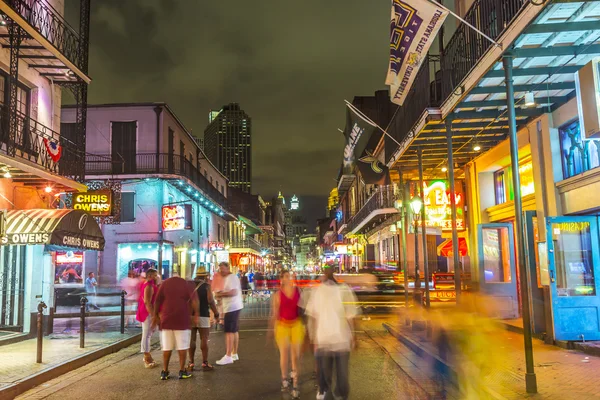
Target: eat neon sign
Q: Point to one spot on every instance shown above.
(438, 209)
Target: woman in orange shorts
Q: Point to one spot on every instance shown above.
(289, 331)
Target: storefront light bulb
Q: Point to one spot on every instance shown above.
(139, 246)
(476, 147)
(189, 189)
(149, 246)
(7, 174)
(444, 169)
(48, 189)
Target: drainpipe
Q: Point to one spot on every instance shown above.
(158, 111)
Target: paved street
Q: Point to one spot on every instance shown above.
(374, 374)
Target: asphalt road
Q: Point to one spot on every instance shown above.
(373, 375)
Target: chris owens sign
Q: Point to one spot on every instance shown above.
(95, 203)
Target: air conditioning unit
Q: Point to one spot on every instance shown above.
(587, 84)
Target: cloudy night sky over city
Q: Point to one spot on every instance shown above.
(290, 65)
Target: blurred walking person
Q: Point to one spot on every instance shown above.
(287, 324)
(91, 290)
(231, 297)
(174, 304)
(131, 286)
(145, 311)
(245, 285)
(332, 308)
(201, 322)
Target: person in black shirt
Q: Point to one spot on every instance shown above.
(201, 323)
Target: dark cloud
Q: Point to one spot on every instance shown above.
(289, 64)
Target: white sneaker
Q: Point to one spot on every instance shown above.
(225, 360)
(320, 396)
(235, 357)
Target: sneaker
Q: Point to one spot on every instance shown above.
(320, 396)
(235, 357)
(164, 375)
(184, 374)
(225, 360)
(296, 394)
(285, 385)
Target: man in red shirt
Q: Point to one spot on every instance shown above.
(174, 304)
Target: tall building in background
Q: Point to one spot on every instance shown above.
(228, 144)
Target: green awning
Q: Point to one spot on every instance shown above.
(251, 228)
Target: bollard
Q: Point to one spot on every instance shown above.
(83, 303)
(123, 294)
(40, 330)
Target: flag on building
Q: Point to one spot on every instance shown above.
(414, 26)
(358, 131)
(54, 149)
(373, 171)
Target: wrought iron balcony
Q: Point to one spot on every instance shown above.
(51, 25)
(466, 47)
(151, 163)
(248, 243)
(377, 207)
(29, 146)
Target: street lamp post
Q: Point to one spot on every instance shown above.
(415, 205)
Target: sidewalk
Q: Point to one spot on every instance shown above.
(561, 374)
(61, 353)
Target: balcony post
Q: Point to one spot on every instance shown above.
(423, 230)
(84, 35)
(530, 377)
(15, 34)
(457, 269)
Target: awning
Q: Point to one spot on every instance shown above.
(63, 228)
(445, 249)
(251, 228)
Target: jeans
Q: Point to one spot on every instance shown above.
(147, 332)
(326, 361)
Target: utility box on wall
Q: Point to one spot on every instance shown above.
(587, 84)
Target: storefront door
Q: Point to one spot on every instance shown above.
(573, 263)
(497, 269)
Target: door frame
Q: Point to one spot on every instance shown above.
(502, 289)
(573, 302)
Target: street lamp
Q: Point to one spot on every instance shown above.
(415, 205)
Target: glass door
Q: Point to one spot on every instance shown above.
(573, 265)
(497, 269)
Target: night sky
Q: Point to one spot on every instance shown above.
(290, 65)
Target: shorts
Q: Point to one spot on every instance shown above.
(232, 322)
(289, 332)
(175, 340)
(201, 322)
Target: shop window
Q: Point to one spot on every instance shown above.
(573, 259)
(503, 187)
(496, 255)
(128, 207)
(577, 155)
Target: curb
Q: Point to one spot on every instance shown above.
(23, 385)
(439, 363)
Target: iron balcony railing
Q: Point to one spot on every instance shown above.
(151, 163)
(52, 26)
(383, 198)
(29, 145)
(248, 243)
(466, 47)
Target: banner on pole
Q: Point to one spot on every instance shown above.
(358, 131)
(414, 26)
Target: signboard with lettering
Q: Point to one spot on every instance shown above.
(69, 257)
(98, 202)
(176, 217)
(438, 209)
(214, 246)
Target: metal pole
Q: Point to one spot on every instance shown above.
(404, 244)
(418, 300)
(530, 378)
(83, 303)
(123, 293)
(40, 330)
(457, 269)
(424, 230)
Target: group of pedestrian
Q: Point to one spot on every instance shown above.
(328, 317)
(181, 311)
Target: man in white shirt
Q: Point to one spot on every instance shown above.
(332, 309)
(231, 298)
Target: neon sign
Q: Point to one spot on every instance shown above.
(438, 206)
(97, 202)
(177, 217)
